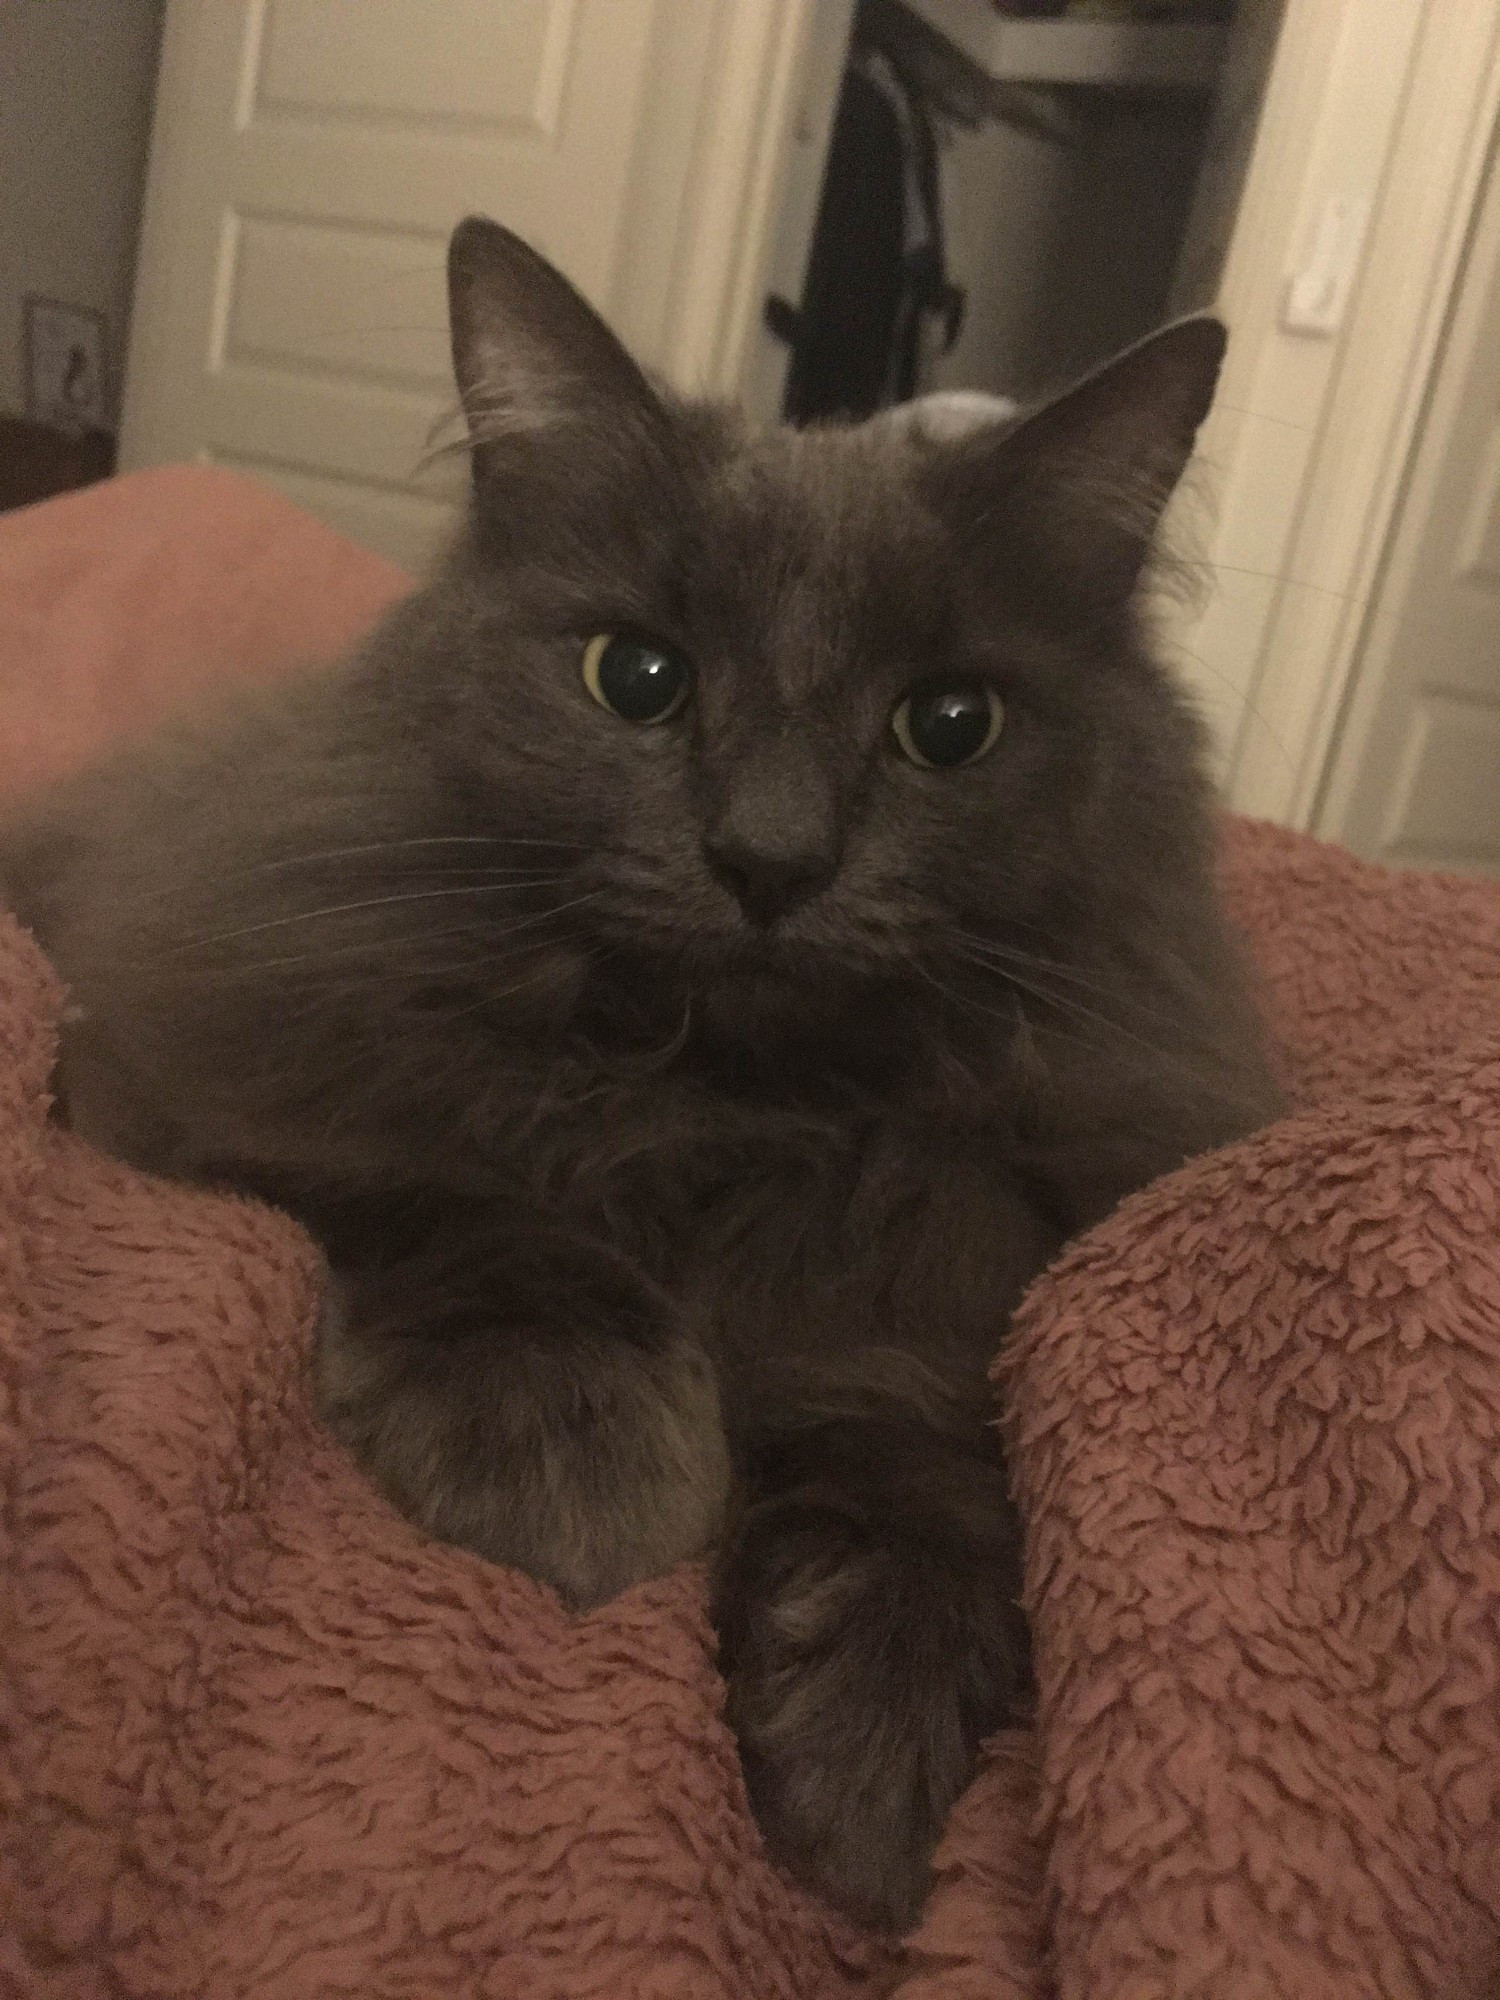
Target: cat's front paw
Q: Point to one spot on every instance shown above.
(862, 1675)
(588, 1454)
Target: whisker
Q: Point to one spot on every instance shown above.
(381, 944)
(958, 999)
(1014, 955)
(397, 958)
(1064, 1002)
(517, 876)
(1149, 1017)
(503, 993)
(1145, 1016)
(1004, 955)
(424, 840)
(639, 1062)
(339, 910)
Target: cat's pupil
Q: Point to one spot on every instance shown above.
(946, 726)
(640, 680)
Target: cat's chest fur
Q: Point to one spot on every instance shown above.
(899, 1240)
(787, 1226)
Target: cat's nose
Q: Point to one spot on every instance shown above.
(768, 880)
(773, 834)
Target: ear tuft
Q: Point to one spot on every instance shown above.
(1083, 480)
(529, 352)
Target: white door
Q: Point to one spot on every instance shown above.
(1415, 774)
(309, 158)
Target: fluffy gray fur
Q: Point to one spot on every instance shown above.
(685, 1107)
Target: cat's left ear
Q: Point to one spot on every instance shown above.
(529, 352)
(1079, 485)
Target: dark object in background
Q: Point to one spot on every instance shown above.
(876, 274)
(37, 461)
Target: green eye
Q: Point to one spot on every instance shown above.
(635, 678)
(942, 727)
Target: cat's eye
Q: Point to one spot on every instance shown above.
(637, 679)
(941, 727)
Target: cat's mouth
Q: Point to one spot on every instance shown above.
(751, 985)
(796, 963)
(767, 1010)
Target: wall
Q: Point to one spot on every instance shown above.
(76, 84)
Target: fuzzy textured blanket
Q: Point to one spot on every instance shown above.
(259, 1738)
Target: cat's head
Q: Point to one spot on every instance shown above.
(807, 708)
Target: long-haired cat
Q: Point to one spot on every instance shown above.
(692, 968)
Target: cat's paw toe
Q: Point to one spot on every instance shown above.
(866, 1852)
(859, 1688)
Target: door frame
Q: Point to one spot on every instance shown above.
(1348, 803)
(746, 140)
(1313, 443)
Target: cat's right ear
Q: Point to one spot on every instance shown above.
(530, 354)
(1073, 493)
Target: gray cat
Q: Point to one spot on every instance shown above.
(691, 969)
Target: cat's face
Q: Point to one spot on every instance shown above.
(803, 709)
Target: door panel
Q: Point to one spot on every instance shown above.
(309, 161)
(1416, 772)
(396, 60)
(309, 297)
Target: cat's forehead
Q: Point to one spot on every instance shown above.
(826, 530)
(840, 490)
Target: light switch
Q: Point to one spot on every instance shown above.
(1317, 295)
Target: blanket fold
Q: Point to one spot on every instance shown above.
(259, 1738)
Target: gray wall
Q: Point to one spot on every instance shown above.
(77, 79)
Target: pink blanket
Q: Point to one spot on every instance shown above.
(119, 603)
(259, 1738)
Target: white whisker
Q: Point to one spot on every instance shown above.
(1009, 970)
(489, 939)
(339, 910)
(425, 840)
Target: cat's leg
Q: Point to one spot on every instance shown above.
(867, 1599)
(528, 1396)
